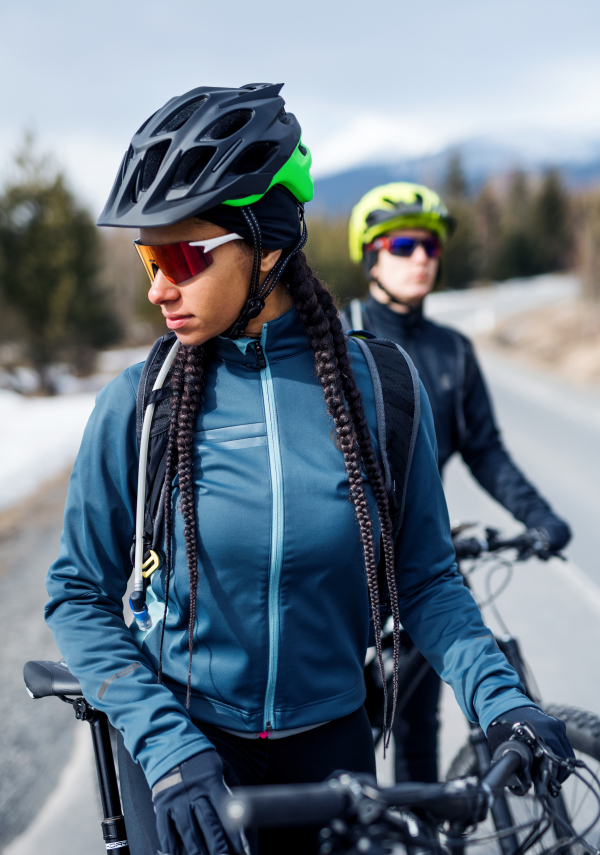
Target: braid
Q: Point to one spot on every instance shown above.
(176, 388)
(188, 384)
(326, 337)
(373, 470)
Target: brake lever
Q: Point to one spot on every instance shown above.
(520, 783)
(545, 779)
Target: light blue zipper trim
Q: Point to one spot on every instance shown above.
(276, 531)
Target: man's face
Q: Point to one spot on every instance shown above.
(411, 278)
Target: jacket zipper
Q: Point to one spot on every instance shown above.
(276, 527)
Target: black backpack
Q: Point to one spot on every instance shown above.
(397, 403)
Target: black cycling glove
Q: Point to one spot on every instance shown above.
(187, 802)
(554, 531)
(551, 730)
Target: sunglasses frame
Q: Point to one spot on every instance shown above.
(386, 243)
(206, 246)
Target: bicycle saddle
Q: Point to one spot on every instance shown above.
(44, 679)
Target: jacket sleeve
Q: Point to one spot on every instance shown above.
(436, 608)
(485, 455)
(87, 583)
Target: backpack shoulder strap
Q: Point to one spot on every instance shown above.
(154, 362)
(398, 409)
(156, 460)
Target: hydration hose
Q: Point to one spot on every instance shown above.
(137, 600)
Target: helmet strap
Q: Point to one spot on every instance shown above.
(257, 294)
(394, 299)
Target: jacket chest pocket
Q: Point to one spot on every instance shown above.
(233, 437)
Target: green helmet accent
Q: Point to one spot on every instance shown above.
(294, 175)
(399, 205)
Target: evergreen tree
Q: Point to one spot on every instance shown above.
(455, 182)
(550, 225)
(486, 215)
(459, 267)
(49, 260)
(516, 252)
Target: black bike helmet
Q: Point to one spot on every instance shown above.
(212, 147)
(208, 147)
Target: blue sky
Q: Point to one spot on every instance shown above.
(367, 81)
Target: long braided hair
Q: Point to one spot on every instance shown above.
(324, 331)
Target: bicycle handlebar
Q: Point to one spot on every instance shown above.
(289, 805)
(527, 543)
(319, 804)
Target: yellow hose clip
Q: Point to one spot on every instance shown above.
(152, 563)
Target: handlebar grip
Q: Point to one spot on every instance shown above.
(512, 757)
(286, 806)
(468, 547)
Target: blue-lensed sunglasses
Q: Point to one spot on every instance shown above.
(405, 246)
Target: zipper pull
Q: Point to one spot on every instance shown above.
(260, 356)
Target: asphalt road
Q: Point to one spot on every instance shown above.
(37, 737)
(48, 800)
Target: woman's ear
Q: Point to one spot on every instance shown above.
(270, 257)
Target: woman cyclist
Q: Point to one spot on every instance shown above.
(397, 231)
(252, 671)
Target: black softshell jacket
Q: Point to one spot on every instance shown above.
(462, 412)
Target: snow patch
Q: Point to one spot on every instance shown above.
(38, 438)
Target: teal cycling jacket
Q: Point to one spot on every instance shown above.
(282, 621)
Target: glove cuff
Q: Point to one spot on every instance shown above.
(169, 780)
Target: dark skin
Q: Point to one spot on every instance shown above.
(205, 306)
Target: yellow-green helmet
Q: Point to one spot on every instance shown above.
(399, 205)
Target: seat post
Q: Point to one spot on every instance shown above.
(113, 824)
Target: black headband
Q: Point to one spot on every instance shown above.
(277, 213)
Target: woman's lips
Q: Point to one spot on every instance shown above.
(177, 321)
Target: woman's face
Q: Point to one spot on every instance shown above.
(205, 306)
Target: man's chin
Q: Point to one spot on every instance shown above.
(419, 292)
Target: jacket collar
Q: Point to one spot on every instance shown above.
(392, 321)
(280, 338)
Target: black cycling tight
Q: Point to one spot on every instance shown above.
(346, 743)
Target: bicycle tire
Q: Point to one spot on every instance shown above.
(583, 730)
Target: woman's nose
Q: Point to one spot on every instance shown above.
(162, 291)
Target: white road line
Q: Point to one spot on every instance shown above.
(579, 582)
(70, 817)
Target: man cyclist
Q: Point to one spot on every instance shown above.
(397, 231)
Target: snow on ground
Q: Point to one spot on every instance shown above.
(39, 437)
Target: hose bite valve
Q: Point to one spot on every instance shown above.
(140, 611)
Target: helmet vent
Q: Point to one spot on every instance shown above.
(152, 161)
(286, 118)
(254, 158)
(228, 125)
(179, 119)
(126, 161)
(192, 165)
